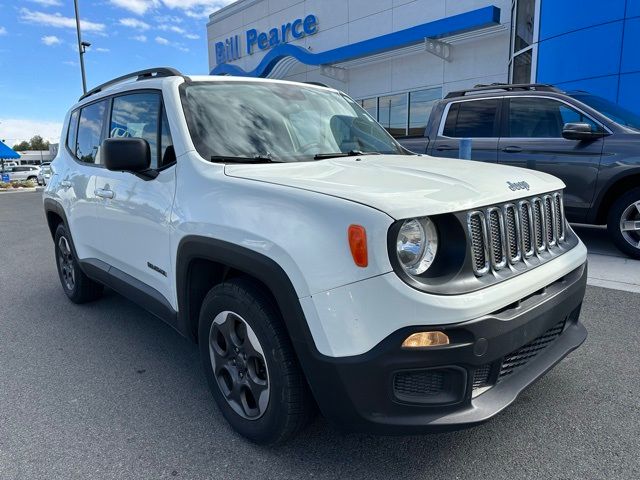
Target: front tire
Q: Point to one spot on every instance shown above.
(250, 364)
(624, 223)
(76, 285)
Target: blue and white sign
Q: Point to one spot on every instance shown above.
(231, 48)
(5, 178)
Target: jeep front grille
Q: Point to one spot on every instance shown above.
(511, 233)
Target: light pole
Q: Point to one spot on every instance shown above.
(81, 47)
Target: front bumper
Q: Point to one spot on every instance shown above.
(482, 371)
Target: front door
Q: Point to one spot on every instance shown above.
(475, 120)
(135, 211)
(532, 138)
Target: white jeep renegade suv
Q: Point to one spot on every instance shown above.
(313, 259)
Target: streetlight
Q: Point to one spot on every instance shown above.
(82, 48)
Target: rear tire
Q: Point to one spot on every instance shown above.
(250, 365)
(76, 285)
(623, 223)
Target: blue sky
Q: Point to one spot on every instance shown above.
(40, 76)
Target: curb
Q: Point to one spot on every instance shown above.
(15, 190)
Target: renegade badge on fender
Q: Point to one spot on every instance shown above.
(312, 258)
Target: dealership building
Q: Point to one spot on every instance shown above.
(396, 57)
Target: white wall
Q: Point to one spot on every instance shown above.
(341, 22)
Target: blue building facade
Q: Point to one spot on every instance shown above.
(591, 45)
(398, 57)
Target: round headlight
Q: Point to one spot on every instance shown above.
(417, 245)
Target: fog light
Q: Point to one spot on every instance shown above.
(425, 339)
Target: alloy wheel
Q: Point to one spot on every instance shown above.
(239, 365)
(630, 224)
(65, 260)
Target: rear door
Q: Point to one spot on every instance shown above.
(532, 138)
(77, 182)
(134, 211)
(474, 119)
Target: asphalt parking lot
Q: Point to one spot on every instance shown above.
(105, 391)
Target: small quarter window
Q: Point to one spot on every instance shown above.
(167, 151)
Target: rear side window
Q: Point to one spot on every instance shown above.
(72, 135)
(137, 116)
(473, 119)
(90, 132)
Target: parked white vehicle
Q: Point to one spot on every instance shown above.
(313, 259)
(22, 172)
(44, 174)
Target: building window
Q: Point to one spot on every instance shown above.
(393, 114)
(371, 106)
(524, 21)
(405, 113)
(420, 105)
(522, 67)
(523, 41)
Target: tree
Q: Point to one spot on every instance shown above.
(36, 143)
(22, 146)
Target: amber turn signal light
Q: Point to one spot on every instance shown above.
(358, 245)
(425, 339)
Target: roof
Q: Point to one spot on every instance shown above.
(6, 152)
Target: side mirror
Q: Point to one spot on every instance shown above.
(580, 131)
(126, 154)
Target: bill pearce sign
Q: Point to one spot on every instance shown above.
(231, 49)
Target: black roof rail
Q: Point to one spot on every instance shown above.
(539, 87)
(140, 75)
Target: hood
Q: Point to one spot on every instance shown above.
(405, 186)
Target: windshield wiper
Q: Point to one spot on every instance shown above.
(350, 153)
(232, 159)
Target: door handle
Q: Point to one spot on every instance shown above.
(442, 148)
(103, 193)
(66, 184)
(512, 149)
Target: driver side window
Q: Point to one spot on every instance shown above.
(136, 116)
(532, 117)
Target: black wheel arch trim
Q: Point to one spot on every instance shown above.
(249, 262)
(605, 189)
(276, 280)
(51, 206)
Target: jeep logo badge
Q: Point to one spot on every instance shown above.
(518, 186)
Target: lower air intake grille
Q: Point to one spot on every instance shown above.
(523, 355)
(419, 383)
(481, 376)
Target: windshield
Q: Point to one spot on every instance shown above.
(281, 122)
(611, 110)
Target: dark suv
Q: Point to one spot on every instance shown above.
(590, 143)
